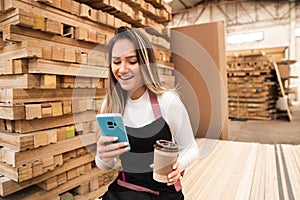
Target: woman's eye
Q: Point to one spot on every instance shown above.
(133, 62)
(116, 62)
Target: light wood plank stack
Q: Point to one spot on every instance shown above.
(53, 76)
(240, 170)
(252, 87)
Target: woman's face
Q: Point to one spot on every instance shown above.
(126, 69)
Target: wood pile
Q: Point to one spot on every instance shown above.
(53, 76)
(252, 87)
(240, 170)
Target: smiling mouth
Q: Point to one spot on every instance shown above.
(125, 78)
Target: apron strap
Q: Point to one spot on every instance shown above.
(154, 104)
(136, 187)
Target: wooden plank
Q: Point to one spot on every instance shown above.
(56, 109)
(27, 52)
(202, 171)
(217, 183)
(20, 81)
(53, 26)
(16, 141)
(61, 178)
(21, 158)
(17, 16)
(35, 192)
(11, 96)
(254, 194)
(62, 68)
(293, 171)
(26, 34)
(39, 22)
(271, 184)
(282, 90)
(8, 186)
(237, 171)
(12, 112)
(58, 14)
(49, 183)
(25, 126)
(58, 53)
(33, 111)
(244, 188)
(40, 139)
(70, 55)
(45, 109)
(48, 81)
(20, 66)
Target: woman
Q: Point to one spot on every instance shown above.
(150, 112)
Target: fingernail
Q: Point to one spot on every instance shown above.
(168, 184)
(174, 167)
(125, 143)
(115, 138)
(127, 149)
(169, 176)
(170, 180)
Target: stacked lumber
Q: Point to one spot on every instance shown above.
(240, 170)
(53, 77)
(252, 87)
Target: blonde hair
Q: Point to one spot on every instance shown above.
(116, 96)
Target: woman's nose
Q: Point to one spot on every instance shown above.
(123, 67)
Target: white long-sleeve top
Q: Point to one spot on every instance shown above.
(138, 113)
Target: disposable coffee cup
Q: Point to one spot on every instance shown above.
(165, 156)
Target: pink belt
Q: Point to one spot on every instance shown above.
(138, 188)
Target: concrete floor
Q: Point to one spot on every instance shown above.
(267, 132)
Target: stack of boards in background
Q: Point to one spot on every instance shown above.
(53, 75)
(252, 87)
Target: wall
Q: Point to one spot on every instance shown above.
(277, 20)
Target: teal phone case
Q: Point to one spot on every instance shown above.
(112, 124)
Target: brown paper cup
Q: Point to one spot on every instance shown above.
(165, 155)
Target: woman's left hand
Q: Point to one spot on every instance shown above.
(175, 175)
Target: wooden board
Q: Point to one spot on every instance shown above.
(61, 68)
(23, 142)
(35, 192)
(282, 91)
(20, 96)
(16, 159)
(240, 170)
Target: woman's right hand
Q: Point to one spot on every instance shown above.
(108, 149)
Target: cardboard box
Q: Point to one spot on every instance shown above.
(200, 69)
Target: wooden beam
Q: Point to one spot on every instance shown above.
(14, 96)
(8, 186)
(16, 141)
(62, 68)
(22, 158)
(12, 112)
(25, 126)
(25, 81)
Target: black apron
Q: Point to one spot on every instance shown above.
(136, 163)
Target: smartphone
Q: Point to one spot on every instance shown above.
(111, 124)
